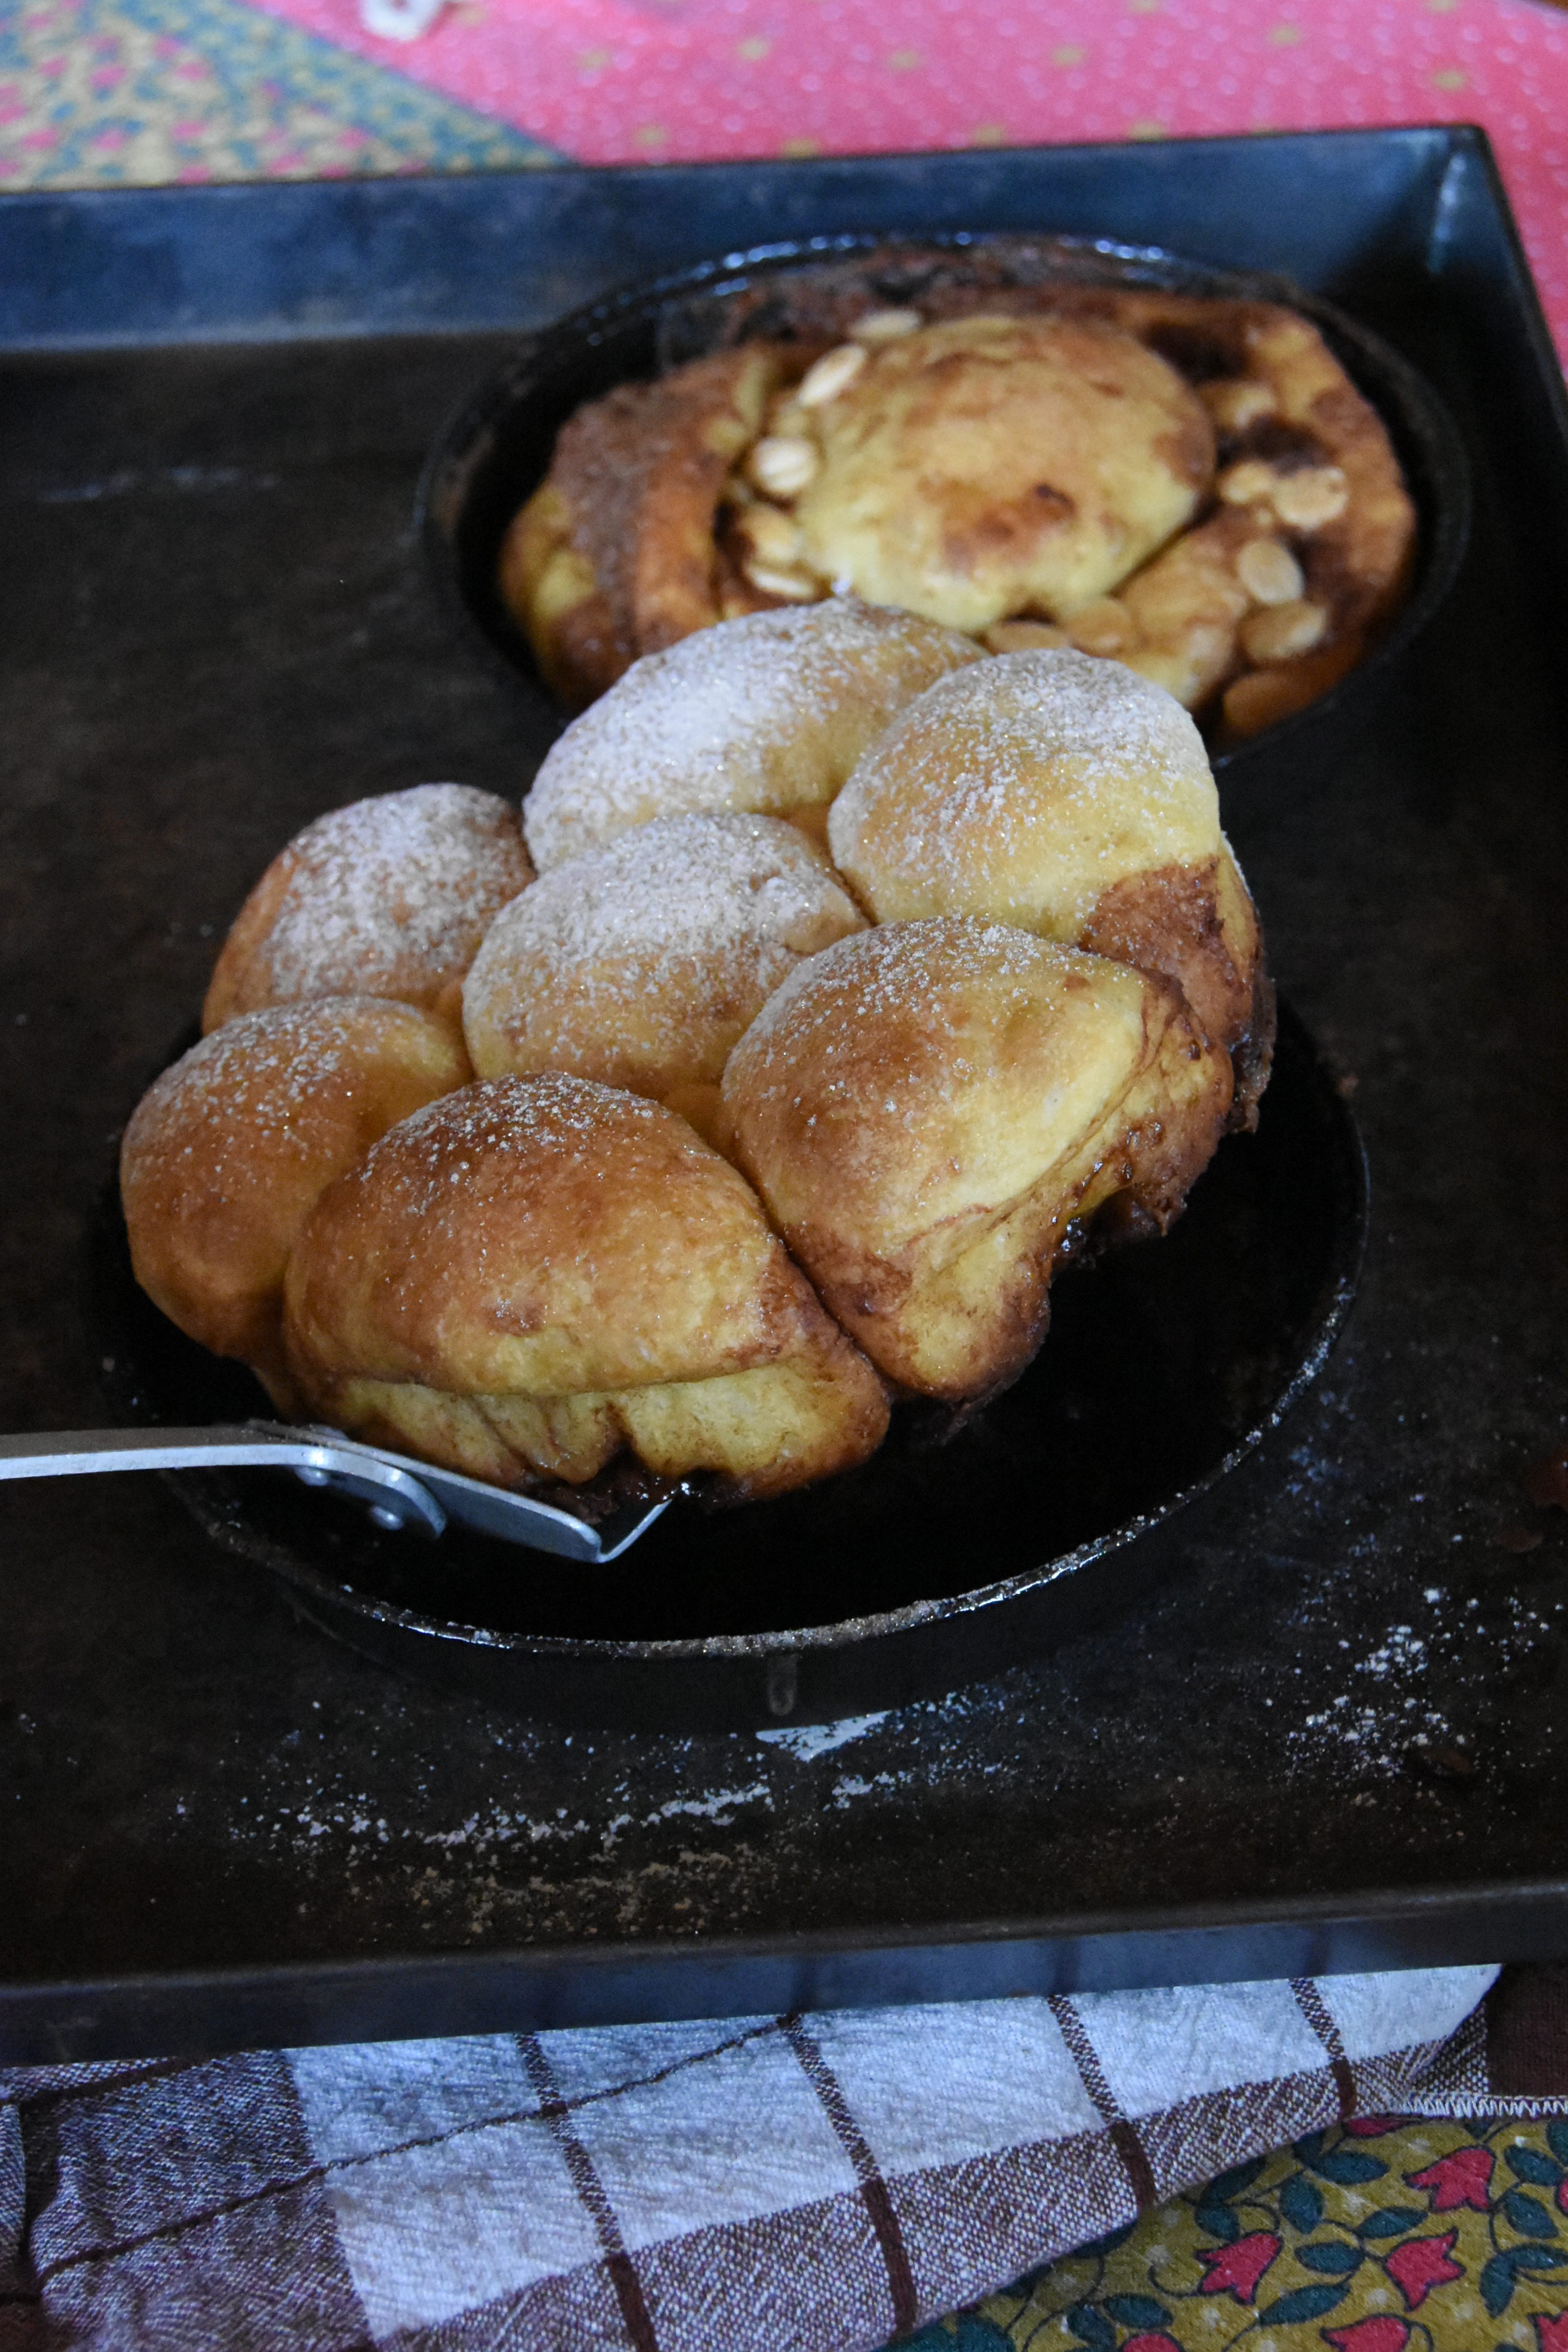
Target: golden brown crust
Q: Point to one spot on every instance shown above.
(990, 465)
(1197, 926)
(388, 896)
(613, 555)
(228, 1151)
(1072, 798)
(538, 1271)
(1021, 790)
(934, 1111)
(765, 715)
(640, 964)
(1167, 920)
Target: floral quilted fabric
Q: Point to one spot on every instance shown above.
(1384, 2235)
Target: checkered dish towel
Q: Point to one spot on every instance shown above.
(790, 2184)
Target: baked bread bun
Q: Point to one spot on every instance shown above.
(640, 964)
(612, 556)
(537, 1273)
(388, 896)
(1074, 799)
(229, 1151)
(936, 1112)
(994, 465)
(766, 714)
(1189, 483)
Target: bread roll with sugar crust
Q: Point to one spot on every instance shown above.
(538, 1273)
(228, 1151)
(389, 897)
(996, 465)
(641, 964)
(1067, 796)
(936, 1112)
(766, 714)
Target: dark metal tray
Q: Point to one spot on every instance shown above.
(1333, 1736)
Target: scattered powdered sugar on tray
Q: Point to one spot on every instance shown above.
(805, 1741)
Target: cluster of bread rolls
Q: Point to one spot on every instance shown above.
(835, 987)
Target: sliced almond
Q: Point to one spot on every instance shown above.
(1103, 627)
(783, 465)
(770, 536)
(886, 326)
(1236, 401)
(1308, 500)
(830, 376)
(1022, 637)
(1283, 631)
(1250, 484)
(1269, 572)
(776, 580)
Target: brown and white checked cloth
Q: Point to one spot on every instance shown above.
(822, 2182)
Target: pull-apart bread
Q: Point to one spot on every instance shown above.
(767, 718)
(388, 896)
(641, 964)
(935, 1111)
(538, 1273)
(775, 1120)
(228, 1151)
(1191, 485)
(1075, 799)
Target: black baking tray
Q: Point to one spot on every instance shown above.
(1333, 1733)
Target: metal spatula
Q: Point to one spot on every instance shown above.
(399, 1493)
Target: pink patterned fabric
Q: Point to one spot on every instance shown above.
(613, 81)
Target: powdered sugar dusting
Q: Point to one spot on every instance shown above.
(549, 1117)
(258, 1079)
(1030, 762)
(898, 965)
(829, 1015)
(764, 713)
(648, 958)
(389, 897)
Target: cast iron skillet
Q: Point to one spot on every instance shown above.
(934, 1564)
(498, 448)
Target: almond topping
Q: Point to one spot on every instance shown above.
(1022, 637)
(1269, 573)
(1308, 500)
(1102, 627)
(1282, 632)
(782, 465)
(1250, 484)
(886, 326)
(832, 372)
(770, 535)
(1236, 401)
(794, 587)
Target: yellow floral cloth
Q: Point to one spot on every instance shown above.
(1385, 2235)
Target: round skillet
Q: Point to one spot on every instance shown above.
(498, 448)
(938, 1563)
